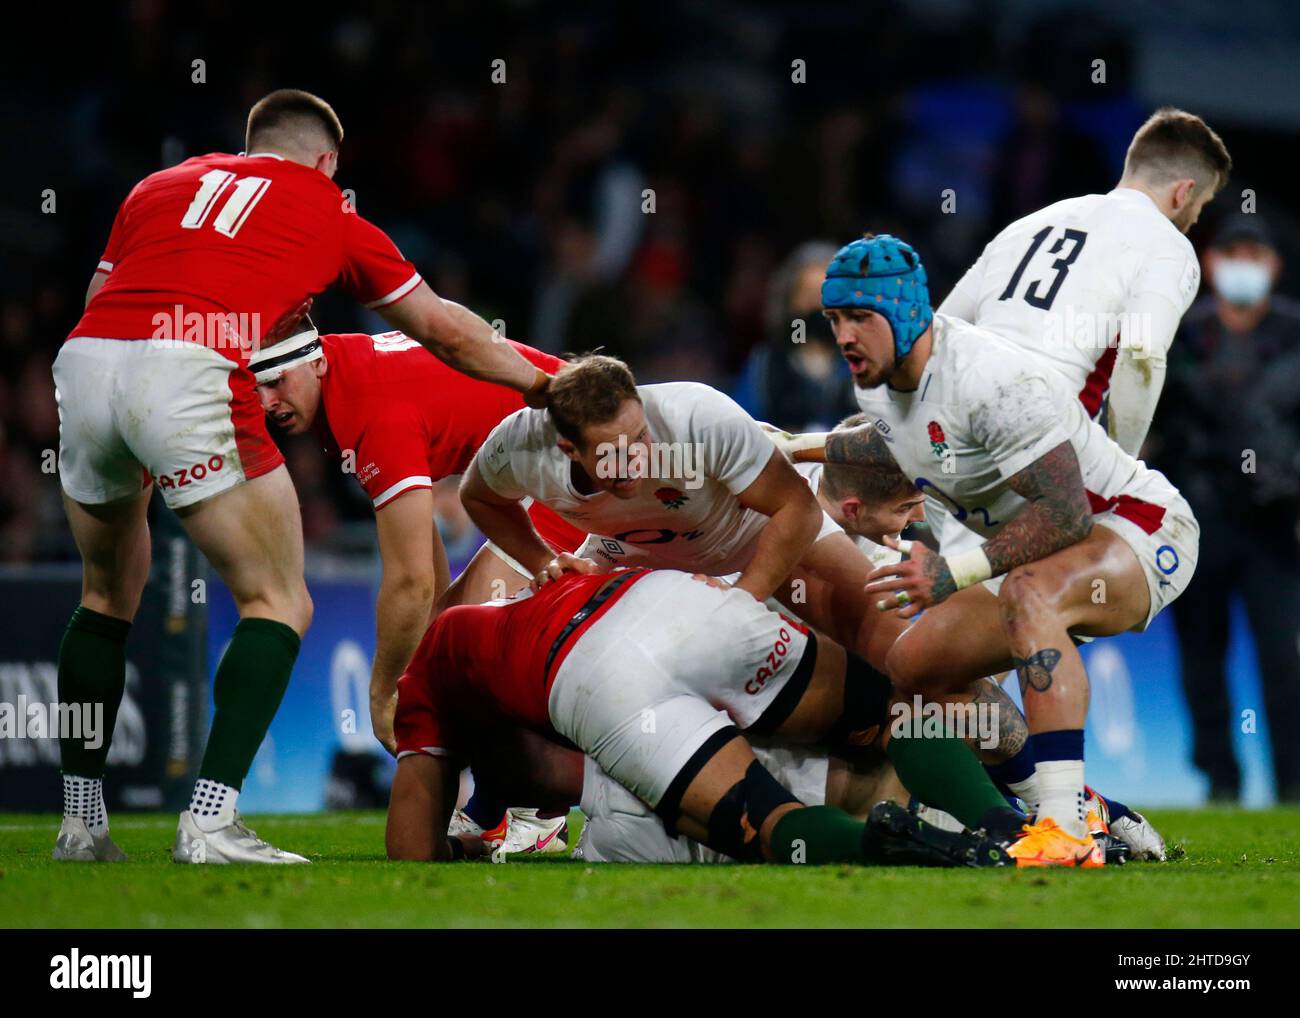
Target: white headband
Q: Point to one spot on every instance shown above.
(269, 363)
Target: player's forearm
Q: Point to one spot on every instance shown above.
(402, 611)
(472, 346)
(862, 446)
(1134, 392)
(1057, 513)
(510, 529)
(1041, 528)
(785, 539)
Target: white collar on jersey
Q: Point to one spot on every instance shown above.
(1133, 194)
(261, 155)
(269, 363)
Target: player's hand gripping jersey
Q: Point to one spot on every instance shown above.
(1095, 286)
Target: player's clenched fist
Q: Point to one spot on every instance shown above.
(913, 584)
(561, 564)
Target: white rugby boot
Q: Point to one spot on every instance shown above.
(1143, 840)
(75, 843)
(529, 834)
(232, 843)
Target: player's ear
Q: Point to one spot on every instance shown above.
(567, 447)
(328, 162)
(1183, 193)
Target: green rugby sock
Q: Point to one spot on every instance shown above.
(92, 670)
(817, 835)
(945, 774)
(250, 683)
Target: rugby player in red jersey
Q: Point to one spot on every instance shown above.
(205, 261)
(400, 420)
(655, 674)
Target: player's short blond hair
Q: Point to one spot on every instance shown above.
(285, 114)
(1174, 144)
(589, 390)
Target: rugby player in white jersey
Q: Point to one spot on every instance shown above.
(675, 476)
(1096, 285)
(1078, 537)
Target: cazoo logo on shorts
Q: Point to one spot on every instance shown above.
(186, 476)
(775, 659)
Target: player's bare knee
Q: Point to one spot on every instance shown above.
(1027, 598)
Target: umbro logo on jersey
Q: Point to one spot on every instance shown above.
(613, 547)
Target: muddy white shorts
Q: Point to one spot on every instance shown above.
(621, 828)
(670, 664)
(177, 412)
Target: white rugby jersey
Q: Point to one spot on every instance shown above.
(1096, 286)
(877, 554)
(690, 519)
(982, 413)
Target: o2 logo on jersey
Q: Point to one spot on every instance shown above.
(775, 659)
(186, 476)
(1167, 560)
(959, 512)
(660, 535)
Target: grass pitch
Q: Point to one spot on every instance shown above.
(1235, 869)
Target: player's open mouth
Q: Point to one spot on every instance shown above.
(856, 362)
(283, 418)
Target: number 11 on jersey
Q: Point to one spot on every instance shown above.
(247, 192)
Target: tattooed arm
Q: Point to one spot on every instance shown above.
(862, 446)
(1057, 516)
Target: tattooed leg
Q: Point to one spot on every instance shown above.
(1054, 686)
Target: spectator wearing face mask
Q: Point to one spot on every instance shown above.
(1230, 429)
(802, 381)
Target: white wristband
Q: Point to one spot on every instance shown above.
(969, 568)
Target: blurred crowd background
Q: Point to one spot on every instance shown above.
(523, 199)
(526, 199)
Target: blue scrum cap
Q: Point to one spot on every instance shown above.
(885, 275)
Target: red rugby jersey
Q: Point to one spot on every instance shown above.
(490, 663)
(243, 236)
(410, 420)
